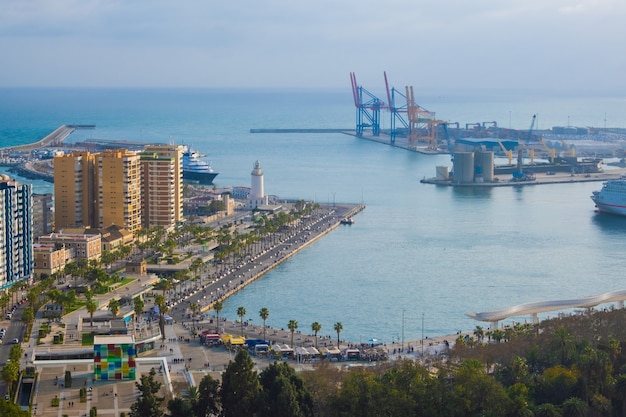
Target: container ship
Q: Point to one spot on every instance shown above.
(196, 170)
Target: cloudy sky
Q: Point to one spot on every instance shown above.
(528, 44)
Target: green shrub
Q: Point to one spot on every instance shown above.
(82, 393)
(68, 379)
(56, 401)
(93, 412)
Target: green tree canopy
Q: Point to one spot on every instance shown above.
(148, 404)
(241, 390)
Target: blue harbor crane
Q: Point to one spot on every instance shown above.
(367, 108)
(396, 111)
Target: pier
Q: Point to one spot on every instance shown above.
(55, 138)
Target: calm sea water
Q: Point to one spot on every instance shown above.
(417, 251)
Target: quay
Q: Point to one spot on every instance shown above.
(300, 130)
(540, 179)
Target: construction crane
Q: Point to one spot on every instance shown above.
(367, 108)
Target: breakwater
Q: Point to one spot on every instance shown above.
(301, 130)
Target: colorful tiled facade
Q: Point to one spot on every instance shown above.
(114, 358)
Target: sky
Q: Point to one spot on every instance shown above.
(521, 44)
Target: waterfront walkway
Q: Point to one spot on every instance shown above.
(535, 308)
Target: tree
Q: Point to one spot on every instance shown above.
(292, 326)
(241, 389)
(575, 407)
(338, 328)
(284, 392)
(9, 409)
(16, 353)
(138, 306)
(159, 300)
(28, 316)
(208, 403)
(316, 327)
(114, 306)
(148, 404)
(194, 307)
(217, 306)
(264, 313)
(241, 312)
(564, 344)
(91, 305)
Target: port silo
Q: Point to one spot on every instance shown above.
(484, 161)
(443, 173)
(463, 167)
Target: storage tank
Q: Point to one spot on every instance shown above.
(443, 173)
(483, 161)
(463, 167)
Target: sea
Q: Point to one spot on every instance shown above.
(419, 257)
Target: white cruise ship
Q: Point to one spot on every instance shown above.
(612, 197)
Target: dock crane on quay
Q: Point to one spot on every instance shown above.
(367, 108)
(420, 124)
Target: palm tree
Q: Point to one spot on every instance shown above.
(159, 300)
(114, 306)
(217, 306)
(479, 333)
(138, 306)
(194, 309)
(338, 328)
(264, 313)
(91, 306)
(292, 326)
(241, 312)
(316, 327)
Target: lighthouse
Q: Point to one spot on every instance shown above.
(257, 190)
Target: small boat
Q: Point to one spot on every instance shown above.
(347, 220)
(612, 197)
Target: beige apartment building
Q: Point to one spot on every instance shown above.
(118, 181)
(162, 189)
(119, 187)
(73, 190)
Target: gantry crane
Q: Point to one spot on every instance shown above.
(422, 123)
(419, 124)
(395, 111)
(367, 108)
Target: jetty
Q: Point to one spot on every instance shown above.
(55, 138)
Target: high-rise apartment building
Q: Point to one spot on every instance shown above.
(118, 184)
(119, 187)
(43, 213)
(97, 190)
(16, 236)
(74, 201)
(162, 189)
